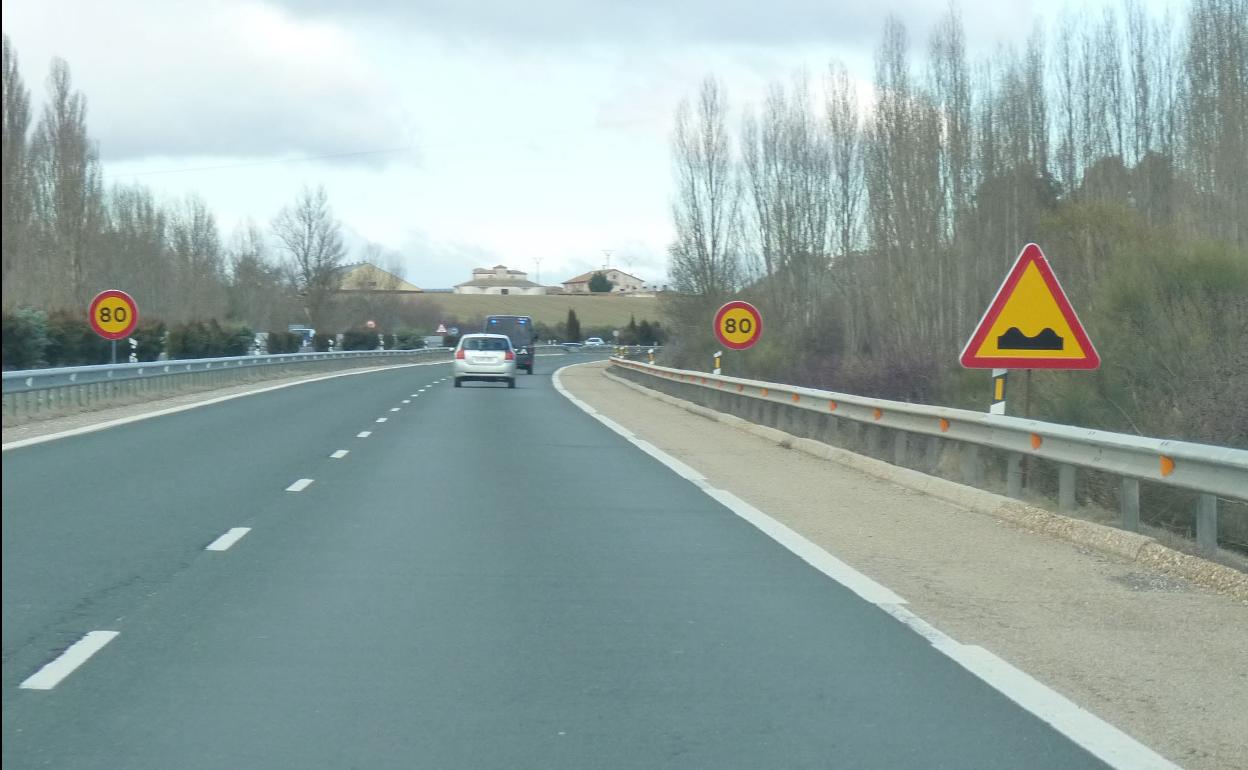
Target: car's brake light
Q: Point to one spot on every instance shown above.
(459, 353)
(510, 356)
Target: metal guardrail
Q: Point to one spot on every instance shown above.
(1211, 471)
(33, 392)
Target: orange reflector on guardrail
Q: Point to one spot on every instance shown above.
(944, 425)
(796, 398)
(763, 390)
(1167, 466)
(1036, 441)
(831, 406)
(878, 414)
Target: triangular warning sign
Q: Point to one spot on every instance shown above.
(1030, 323)
(441, 329)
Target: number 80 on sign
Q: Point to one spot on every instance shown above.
(113, 314)
(738, 325)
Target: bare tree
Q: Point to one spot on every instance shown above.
(14, 163)
(705, 257)
(198, 259)
(312, 240)
(845, 148)
(67, 186)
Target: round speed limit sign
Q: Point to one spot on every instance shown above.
(738, 325)
(113, 314)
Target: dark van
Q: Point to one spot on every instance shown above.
(519, 328)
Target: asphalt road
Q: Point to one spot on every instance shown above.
(490, 579)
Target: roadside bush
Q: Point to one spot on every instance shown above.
(197, 339)
(321, 343)
(284, 342)
(408, 339)
(359, 339)
(25, 338)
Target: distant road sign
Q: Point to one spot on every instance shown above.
(738, 325)
(1030, 323)
(441, 329)
(113, 314)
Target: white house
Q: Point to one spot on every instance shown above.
(499, 280)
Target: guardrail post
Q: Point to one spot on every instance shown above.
(931, 455)
(970, 464)
(1130, 504)
(1066, 487)
(1014, 476)
(873, 440)
(900, 441)
(1207, 522)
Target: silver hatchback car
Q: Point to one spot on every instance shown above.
(485, 358)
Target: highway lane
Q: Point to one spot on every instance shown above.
(93, 522)
(491, 579)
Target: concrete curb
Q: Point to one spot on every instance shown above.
(1131, 546)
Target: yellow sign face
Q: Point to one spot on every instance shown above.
(113, 314)
(738, 325)
(1030, 323)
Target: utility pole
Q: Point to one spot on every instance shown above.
(607, 252)
(539, 270)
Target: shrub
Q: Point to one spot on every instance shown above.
(25, 338)
(283, 342)
(408, 339)
(321, 343)
(197, 339)
(72, 342)
(359, 339)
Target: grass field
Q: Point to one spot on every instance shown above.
(592, 311)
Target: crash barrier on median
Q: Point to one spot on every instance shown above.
(914, 435)
(41, 392)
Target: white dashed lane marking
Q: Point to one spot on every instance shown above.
(78, 653)
(381, 419)
(394, 408)
(341, 453)
(224, 542)
(364, 434)
(407, 401)
(299, 485)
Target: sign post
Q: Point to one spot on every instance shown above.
(717, 369)
(998, 391)
(738, 325)
(113, 315)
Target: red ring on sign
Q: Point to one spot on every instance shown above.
(130, 305)
(754, 314)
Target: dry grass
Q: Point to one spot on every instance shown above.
(551, 309)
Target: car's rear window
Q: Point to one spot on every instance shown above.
(485, 343)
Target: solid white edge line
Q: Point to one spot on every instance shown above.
(364, 434)
(341, 453)
(299, 485)
(224, 542)
(187, 407)
(1083, 728)
(64, 664)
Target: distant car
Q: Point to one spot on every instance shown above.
(485, 358)
(594, 342)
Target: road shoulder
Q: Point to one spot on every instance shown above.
(1160, 657)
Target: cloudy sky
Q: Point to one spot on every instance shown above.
(455, 133)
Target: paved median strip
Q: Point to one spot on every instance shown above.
(224, 542)
(299, 485)
(78, 653)
(341, 453)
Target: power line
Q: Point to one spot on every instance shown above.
(269, 162)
